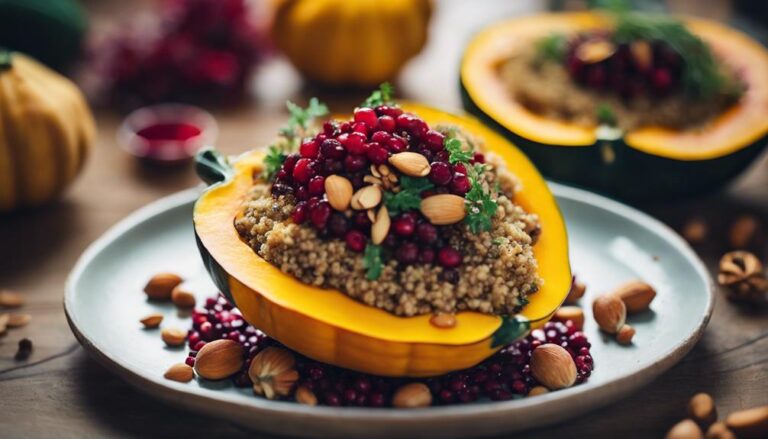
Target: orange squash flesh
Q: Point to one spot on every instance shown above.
(329, 326)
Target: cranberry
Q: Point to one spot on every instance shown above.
(440, 173)
(426, 256)
(434, 140)
(460, 168)
(332, 149)
(478, 157)
(597, 76)
(309, 149)
(377, 154)
(449, 257)
(301, 193)
(407, 253)
(329, 128)
(304, 170)
(356, 240)
(366, 116)
(299, 214)
(332, 167)
(290, 162)
(190, 361)
(338, 224)
(356, 143)
(386, 123)
(361, 128)
(387, 110)
(661, 79)
(442, 156)
(460, 184)
(380, 137)
(405, 225)
(396, 144)
(316, 185)
(426, 232)
(354, 163)
(319, 214)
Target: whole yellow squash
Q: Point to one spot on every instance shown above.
(46, 131)
(350, 42)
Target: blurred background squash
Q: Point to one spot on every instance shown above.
(350, 43)
(46, 130)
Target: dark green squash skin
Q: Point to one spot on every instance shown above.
(632, 175)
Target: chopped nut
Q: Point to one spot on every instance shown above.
(152, 321)
(642, 54)
(742, 273)
(412, 395)
(538, 390)
(179, 372)
(272, 372)
(370, 179)
(366, 197)
(572, 313)
(11, 299)
(375, 171)
(594, 51)
(173, 337)
(380, 227)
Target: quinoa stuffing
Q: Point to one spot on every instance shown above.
(401, 217)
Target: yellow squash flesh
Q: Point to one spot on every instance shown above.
(330, 327)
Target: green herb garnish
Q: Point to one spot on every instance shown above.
(273, 161)
(552, 47)
(481, 208)
(605, 115)
(409, 197)
(456, 151)
(301, 119)
(382, 96)
(372, 261)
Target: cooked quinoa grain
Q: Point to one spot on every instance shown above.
(497, 273)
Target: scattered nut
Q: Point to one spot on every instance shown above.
(594, 51)
(24, 351)
(16, 320)
(366, 197)
(410, 163)
(625, 334)
(685, 429)
(179, 372)
(573, 313)
(642, 54)
(742, 273)
(11, 299)
(161, 285)
(750, 423)
(384, 170)
(444, 209)
(577, 292)
(152, 321)
(443, 320)
(636, 295)
(375, 171)
(553, 366)
(744, 232)
(695, 231)
(701, 408)
(370, 179)
(173, 337)
(719, 430)
(609, 312)
(538, 390)
(380, 227)
(182, 298)
(4, 322)
(272, 372)
(339, 190)
(305, 396)
(412, 395)
(219, 359)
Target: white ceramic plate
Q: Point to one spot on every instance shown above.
(610, 243)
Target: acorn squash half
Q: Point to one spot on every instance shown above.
(329, 326)
(646, 163)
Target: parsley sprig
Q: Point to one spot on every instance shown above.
(372, 261)
(382, 96)
(552, 47)
(481, 207)
(457, 153)
(409, 197)
(298, 124)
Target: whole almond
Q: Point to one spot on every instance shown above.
(685, 429)
(152, 321)
(443, 209)
(179, 372)
(305, 396)
(701, 408)
(636, 295)
(219, 359)
(719, 430)
(609, 312)
(625, 334)
(160, 286)
(410, 163)
(538, 390)
(553, 366)
(577, 292)
(339, 190)
(750, 423)
(173, 336)
(4, 317)
(443, 320)
(366, 197)
(412, 395)
(182, 298)
(380, 227)
(11, 299)
(573, 313)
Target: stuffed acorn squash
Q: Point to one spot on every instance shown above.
(634, 105)
(403, 242)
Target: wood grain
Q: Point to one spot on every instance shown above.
(61, 391)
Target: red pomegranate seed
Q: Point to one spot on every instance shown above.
(299, 214)
(301, 193)
(661, 80)
(405, 225)
(355, 240)
(359, 127)
(190, 361)
(396, 144)
(338, 224)
(460, 168)
(345, 127)
(332, 149)
(426, 232)
(380, 137)
(386, 123)
(597, 76)
(356, 143)
(354, 163)
(449, 257)
(361, 221)
(366, 116)
(316, 185)
(407, 253)
(434, 140)
(442, 156)
(460, 184)
(290, 162)
(427, 256)
(387, 110)
(478, 157)
(377, 154)
(329, 128)
(304, 170)
(440, 174)
(319, 214)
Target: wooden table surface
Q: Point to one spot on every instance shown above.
(62, 392)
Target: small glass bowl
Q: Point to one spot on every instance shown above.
(167, 133)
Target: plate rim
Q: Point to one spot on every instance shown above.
(179, 393)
